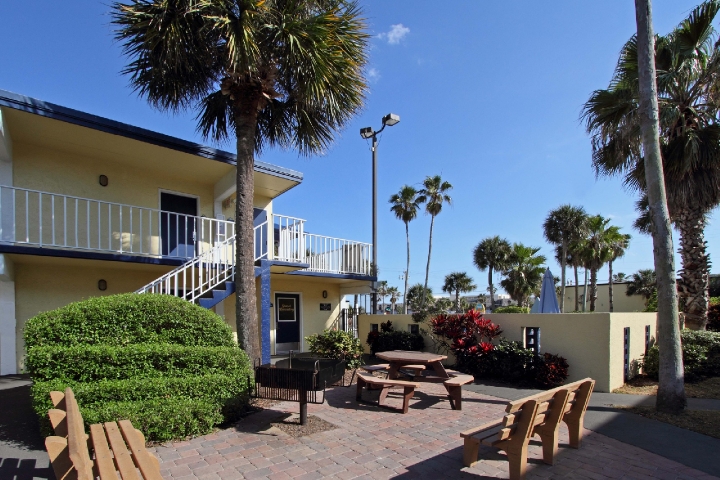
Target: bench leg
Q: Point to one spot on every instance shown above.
(518, 463)
(407, 395)
(575, 428)
(549, 446)
(360, 385)
(470, 451)
(383, 396)
(455, 396)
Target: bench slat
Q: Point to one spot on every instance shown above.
(459, 380)
(123, 462)
(376, 368)
(546, 395)
(77, 439)
(141, 457)
(103, 457)
(383, 381)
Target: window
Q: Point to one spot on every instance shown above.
(532, 339)
(414, 329)
(374, 327)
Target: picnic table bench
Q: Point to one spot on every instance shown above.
(366, 380)
(116, 447)
(538, 414)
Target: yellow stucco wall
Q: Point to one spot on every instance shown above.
(592, 343)
(52, 283)
(621, 302)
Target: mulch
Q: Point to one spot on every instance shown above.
(290, 424)
(706, 422)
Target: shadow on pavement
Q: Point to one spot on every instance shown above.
(23, 469)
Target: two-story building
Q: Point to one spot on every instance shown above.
(90, 206)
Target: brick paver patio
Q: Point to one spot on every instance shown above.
(373, 443)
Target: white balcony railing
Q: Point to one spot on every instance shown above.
(329, 254)
(42, 219)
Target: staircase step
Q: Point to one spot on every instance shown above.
(216, 295)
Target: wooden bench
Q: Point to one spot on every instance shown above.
(366, 380)
(453, 385)
(538, 414)
(116, 447)
(383, 368)
(416, 370)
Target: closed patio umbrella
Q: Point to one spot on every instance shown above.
(547, 301)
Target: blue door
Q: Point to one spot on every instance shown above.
(287, 322)
(177, 225)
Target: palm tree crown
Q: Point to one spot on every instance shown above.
(524, 274)
(563, 226)
(266, 72)
(456, 283)
(405, 205)
(643, 282)
(688, 63)
(493, 254)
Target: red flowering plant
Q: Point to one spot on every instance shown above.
(469, 336)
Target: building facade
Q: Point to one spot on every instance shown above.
(90, 206)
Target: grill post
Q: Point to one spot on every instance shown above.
(303, 407)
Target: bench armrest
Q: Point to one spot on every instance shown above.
(481, 428)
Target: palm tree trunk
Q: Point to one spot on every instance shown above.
(593, 288)
(457, 301)
(427, 267)
(563, 266)
(671, 387)
(694, 275)
(407, 268)
(245, 303)
(492, 289)
(577, 287)
(585, 291)
(610, 283)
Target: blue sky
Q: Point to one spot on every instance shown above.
(489, 95)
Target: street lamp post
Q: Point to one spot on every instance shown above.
(387, 121)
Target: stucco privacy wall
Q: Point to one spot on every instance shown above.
(621, 301)
(54, 283)
(592, 343)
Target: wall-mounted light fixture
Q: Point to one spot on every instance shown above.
(102, 284)
(324, 293)
(103, 180)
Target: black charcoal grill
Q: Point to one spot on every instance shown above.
(298, 379)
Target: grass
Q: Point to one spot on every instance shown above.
(641, 385)
(706, 422)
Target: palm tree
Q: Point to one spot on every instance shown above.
(595, 250)
(574, 260)
(563, 226)
(419, 297)
(493, 254)
(394, 295)
(619, 277)
(687, 62)
(433, 195)
(643, 283)
(458, 282)
(524, 274)
(270, 72)
(382, 290)
(617, 243)
(405, 206)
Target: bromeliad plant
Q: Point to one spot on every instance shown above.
(468, 336)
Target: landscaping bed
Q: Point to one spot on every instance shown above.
(706, 422)
(644, 385)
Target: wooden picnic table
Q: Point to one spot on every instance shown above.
(399, 358)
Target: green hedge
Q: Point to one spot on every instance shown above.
(387, 341)
(127, 319)
(701, 355)
(89, 363)
(511, 309)
(169, 366)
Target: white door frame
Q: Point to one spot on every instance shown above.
(273, 295)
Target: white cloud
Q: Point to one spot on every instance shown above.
(373, 74)
(396, 34)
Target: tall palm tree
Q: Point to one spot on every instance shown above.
(382, 290)
(457, 282)
(419, 297)
(643, 283)
(595, 250)
(405, 206)
(434, 196)
(687, 64)
(574, 260)
(266, 72)
(617, 244)
(524, 274)
(394, 295)
(493, 254)
(563, 226)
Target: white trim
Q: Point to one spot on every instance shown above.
(273, 294)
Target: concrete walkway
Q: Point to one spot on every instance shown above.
(689, 448)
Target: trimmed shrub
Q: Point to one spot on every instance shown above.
(169, 366)
(386, 341)
(508, 361)
(338, 345)
(511, 309)
(701, 355)
(127, 319)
